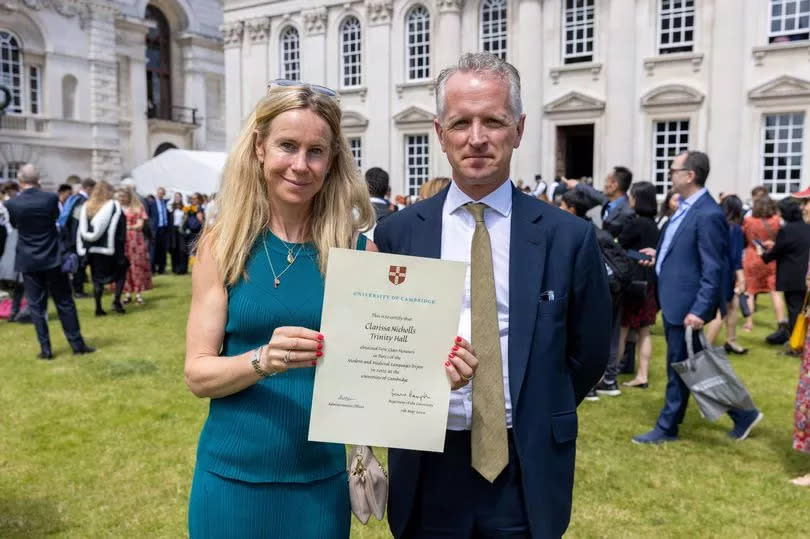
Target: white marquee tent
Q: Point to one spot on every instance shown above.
(183, 171)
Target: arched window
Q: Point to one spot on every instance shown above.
(162, 147)
(158, 65)
(11, 71)
(417, 43)
(69, 97)
(493, 27)
(290, 54)
(351, 59)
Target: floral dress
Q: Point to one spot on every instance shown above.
(139, 275)
(801, 416)
(759, 276)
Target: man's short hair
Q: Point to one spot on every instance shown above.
(623, 177)
(377, 180)
(482, 62)
(28, 174)
(64, 187)
(697, 162)
(88, 184)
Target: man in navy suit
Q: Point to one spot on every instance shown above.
(692, 269)
(159, 222)
(540, 339)
(33, 213)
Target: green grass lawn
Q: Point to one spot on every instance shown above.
(103, 445)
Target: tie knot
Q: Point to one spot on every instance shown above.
(476, 209)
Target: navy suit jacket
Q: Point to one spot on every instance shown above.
(695, 270)
(557, 349)
(154, 219)
(34, 213)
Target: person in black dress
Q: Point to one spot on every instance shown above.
(790, 250)
(639, 312)
(102, 237)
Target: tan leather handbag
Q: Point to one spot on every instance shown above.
(368, 484)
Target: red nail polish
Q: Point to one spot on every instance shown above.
(318, 353)
(314, 363)
(451, 355)
(446, 363)
(320, 337)
(458, 339)
(455, 348)
(320, 346)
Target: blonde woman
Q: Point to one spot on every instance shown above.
(101, 237)
(139, 274)
(433, 187)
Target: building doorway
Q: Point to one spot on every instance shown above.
(574, 151)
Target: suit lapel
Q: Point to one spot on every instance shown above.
(428, 226)
(688, 218)
(527, 260)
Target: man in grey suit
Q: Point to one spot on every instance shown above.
(616, 210)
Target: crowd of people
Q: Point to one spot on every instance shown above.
(562, 287)
(51, 240)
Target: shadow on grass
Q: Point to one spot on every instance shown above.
(29, 518)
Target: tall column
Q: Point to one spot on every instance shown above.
(621, 63)
(725, 101)
(130, 45)
(377, 139)
(256, 60)
(529, 54)
(448, 33)
(313, 53)
(106, 152)
(232, 35)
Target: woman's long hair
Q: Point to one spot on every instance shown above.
(644, 194)
(340, 210)
(102, 192)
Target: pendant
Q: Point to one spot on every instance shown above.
(290, 257)
(276, 282)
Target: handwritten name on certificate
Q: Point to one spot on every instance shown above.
(389, 322)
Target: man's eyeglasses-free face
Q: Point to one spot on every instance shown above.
(317, 88)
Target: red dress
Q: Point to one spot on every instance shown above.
(801, 415)
(759, 276)
(139, 275)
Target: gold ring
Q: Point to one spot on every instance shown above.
(287, 356)
(465, 378)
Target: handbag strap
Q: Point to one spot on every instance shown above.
(690, 348)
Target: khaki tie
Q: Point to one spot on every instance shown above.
(490, 451)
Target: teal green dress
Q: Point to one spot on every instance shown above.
(256, 473)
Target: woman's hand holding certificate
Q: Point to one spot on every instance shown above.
(461, 363)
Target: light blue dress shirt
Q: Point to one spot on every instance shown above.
(675, 222)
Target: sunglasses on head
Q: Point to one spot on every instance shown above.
(317, 88)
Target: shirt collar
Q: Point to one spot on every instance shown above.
(692, 199)
(378, 200)
(499, 200)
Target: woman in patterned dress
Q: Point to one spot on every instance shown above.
(139, 275)
(801, 415)
(760, 278)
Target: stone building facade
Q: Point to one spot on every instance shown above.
(605, 82)
(98, 87)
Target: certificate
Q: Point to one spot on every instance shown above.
(389, 322)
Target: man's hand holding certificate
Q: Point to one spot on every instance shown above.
(390, 321)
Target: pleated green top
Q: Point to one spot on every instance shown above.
(260, 433)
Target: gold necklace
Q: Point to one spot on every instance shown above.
(277, 278)
(290, 255)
